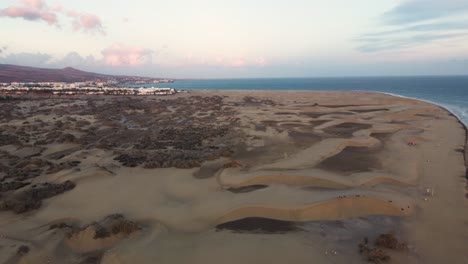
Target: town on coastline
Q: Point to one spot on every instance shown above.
(110, 87)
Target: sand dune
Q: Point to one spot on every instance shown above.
(191, 178)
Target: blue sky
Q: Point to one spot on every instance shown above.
(244, 38)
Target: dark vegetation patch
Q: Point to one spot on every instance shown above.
(293, 125)
(21, 170)
(7, 98)
(22, 250)
(12, 185)
(247, 189)
(31, 198)
(270, 122)
(92, 258)
(345, 130)
(60, 226)
(163, 133)
(319, 114)
(260, 127)
(187, 138)
(66, 138)
(427, 115)
(379, 253)
(389, 241)
(351, 160)
(313, 114)
(285, 113)
(61, 154)
(258, 225)
(318, 122)
(340, 106)
(111, 225)
(15, 169)
(341, 113)
(56, 167)
(253, 101)
(369, 110)
(7, 139)
(396, 122)
(182, 159)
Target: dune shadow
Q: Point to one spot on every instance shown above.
(258, 225)
(352, 160)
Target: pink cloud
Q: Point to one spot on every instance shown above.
(34, 3)
(57, 8)
(31, 10)
(38, 10)
(238, 63)
(86, 22)
(120, 55)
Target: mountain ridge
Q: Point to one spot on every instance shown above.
(17, 73)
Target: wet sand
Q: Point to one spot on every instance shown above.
(232, 177)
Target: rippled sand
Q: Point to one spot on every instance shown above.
(308, 177)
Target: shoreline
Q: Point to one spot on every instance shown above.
(465, 127)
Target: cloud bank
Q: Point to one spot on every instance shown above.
(412, 11)
(32, 10)
(418, 22)
(121, 55)
(38, 10)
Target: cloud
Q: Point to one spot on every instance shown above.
(428, 27)
(121, 55)
(237, 63)
(411, 11)
(34, 3)
(32, 10)
(375, 44)
(86, 22)
(117, 55)
(27, 59)
(38, 10)
(243, 62)
(131, 60)
(74, 59)
(417, 22)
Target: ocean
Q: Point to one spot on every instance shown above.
(450, 92)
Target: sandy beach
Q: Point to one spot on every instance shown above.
(232, 177)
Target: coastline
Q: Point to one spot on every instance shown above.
(464, 125)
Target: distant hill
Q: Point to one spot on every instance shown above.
(14, 73)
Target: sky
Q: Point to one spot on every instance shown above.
(238, 39)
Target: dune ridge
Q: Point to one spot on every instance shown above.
(155, 177)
